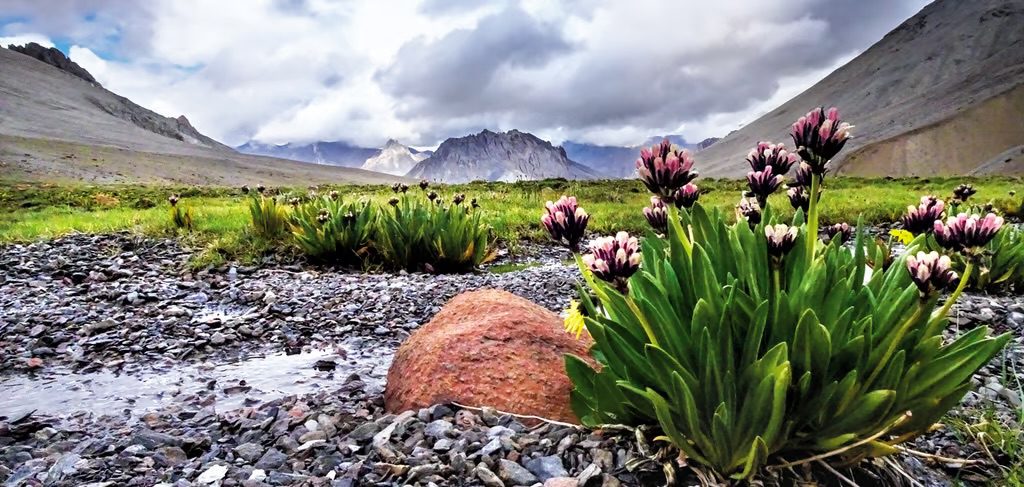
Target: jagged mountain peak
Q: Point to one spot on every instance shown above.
(499, 156)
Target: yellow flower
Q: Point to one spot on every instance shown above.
(574, 319)
(903, 236)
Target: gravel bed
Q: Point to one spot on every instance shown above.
(90, 305)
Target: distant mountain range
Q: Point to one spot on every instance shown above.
(395, 158)
(499, 156)
(620, 162)
(329, 153)
(942, 94)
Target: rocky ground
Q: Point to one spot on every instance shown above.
(272, 375)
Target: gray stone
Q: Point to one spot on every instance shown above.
(488, 477)
(250, 452)
(437, 429)
(546, 467)
(271, 460)
(514, 474)
(364, 431)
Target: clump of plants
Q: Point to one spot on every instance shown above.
(756, 345)
(269, 215)
(995, 265)
(418, 233)
(326, 228)
(181, 217)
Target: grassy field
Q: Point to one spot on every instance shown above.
(30, 211)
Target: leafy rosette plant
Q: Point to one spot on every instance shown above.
(755, 345)
(328, 229)
(665, 169)
(414, 234)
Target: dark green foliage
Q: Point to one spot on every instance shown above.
(329, 230)
(417, 234)
(181, 217)
(269, 216)
(744, 364)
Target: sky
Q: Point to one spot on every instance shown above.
(611, 72)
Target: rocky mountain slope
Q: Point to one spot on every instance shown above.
(331, 153)
(57, 125)
(616, 161)
(941, 94)
(503, 156)
(394, 158)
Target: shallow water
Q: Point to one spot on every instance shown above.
(224, 386)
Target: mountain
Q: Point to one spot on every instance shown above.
(942, 94)
(330, 153)
(394, 158)
(58, 124)
(503, 156)
(708, 142)
(616, 161)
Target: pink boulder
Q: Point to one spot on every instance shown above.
(487, 348)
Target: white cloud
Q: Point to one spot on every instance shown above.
(423, 70)
(22, 39)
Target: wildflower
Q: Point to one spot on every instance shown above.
(931, 272)
(424, 184)
(260, 188)
(819, 136)
(922, 218)
(802, 176)
(614, 259)
(396, 187)
(799, 198)
(173, 199)
(963, 192)
(323, 216)
(432, 195)
(294, 201)
(763, 183)
(902, 236)
(664, 169)
(771, 155)
(842, 231)
(686, 196)
(459, 198)
(1012, 193)
(393, 201)
(967, 232)
(349, 218)
(564, 219)
(402, 188)
(245, 189)
(574, 319)
(333, 195)
(657, 215)
(781, 239)
(750, 211)
(473, 203)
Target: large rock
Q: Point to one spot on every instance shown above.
(487, 348)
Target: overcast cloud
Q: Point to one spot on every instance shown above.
(363, 71)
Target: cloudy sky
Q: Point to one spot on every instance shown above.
(602, 71)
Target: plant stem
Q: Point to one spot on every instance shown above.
(812, 218)
(776, 291)
(944, 311)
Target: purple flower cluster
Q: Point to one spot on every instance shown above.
(614, 259)
(657, 215)
(819, 136)
(771, 155)
(842, 231)
(762, 184)
(564, 219)
(781, 239)
(967, 233)
(750, 211)
(799, 192)
(921, 219)
(931, 272)
(664, 169)
(963, 192)
(686, 196)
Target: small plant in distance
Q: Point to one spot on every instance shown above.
(269, 216)
(330, 230)
(181, 217)
(756, 345)
(430, 235)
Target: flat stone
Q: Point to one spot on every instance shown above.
(513, 473)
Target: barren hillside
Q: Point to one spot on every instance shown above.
(940, 94)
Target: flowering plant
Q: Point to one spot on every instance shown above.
(754, 344)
